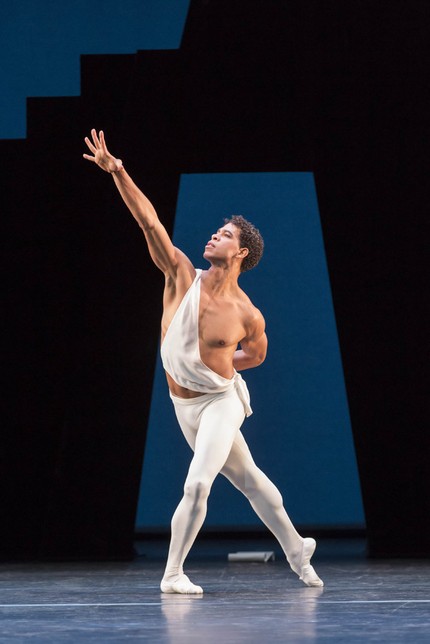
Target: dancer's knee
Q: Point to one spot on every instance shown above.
(197, 490)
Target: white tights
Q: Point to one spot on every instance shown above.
(211, 425)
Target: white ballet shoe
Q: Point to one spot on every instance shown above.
(303, 568)
(182, 586)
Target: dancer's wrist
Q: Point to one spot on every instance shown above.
(118, 166)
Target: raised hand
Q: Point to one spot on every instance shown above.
(101, 155)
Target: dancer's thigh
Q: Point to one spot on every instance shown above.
(188, 419)
(219, 425)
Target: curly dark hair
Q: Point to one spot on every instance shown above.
(249, 238)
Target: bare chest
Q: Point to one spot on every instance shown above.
(220, 322)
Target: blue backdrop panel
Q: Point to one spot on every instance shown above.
(41, 43)
(300, 432)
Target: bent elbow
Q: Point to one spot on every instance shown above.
(260, 358)
(263, 353)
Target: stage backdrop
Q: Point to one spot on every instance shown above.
(300, 432)
(41, 44)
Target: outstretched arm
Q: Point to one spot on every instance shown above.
(160, 246)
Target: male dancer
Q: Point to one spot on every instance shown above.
(206, 315)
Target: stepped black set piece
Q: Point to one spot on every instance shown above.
(255, 86)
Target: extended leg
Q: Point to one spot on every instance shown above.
(218, 423)
(267, 502)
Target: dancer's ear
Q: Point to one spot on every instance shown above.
(243, 252)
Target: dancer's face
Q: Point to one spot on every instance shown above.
(224, 244)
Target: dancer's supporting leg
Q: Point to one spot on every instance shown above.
(266, 501)
(210, 425)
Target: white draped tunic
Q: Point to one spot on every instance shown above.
(180, 352)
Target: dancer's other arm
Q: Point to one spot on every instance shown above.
(253, 347)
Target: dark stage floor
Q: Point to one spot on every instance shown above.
(362, 601)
